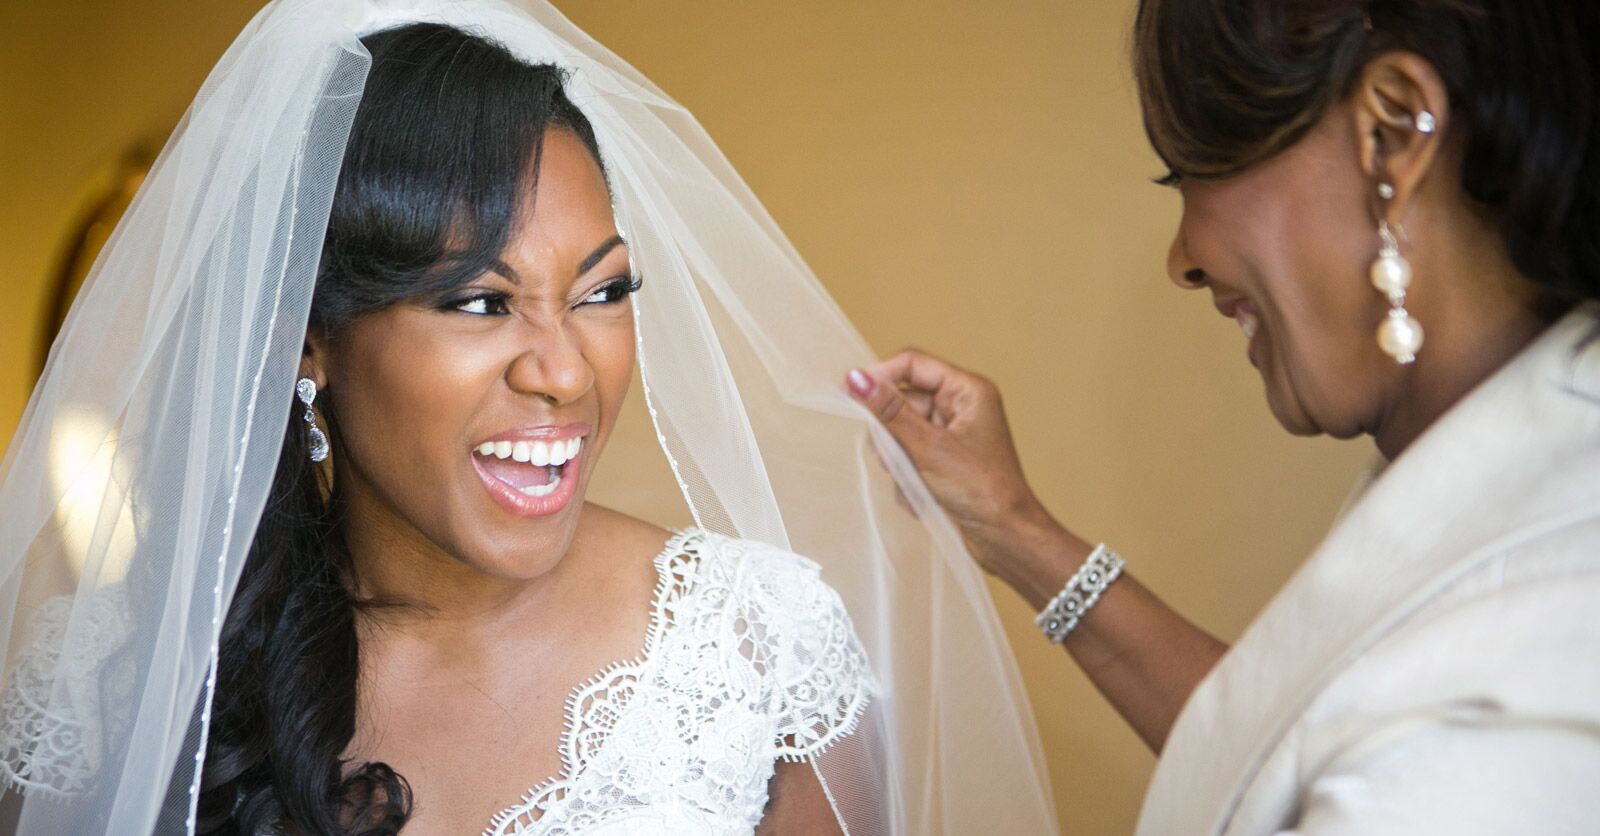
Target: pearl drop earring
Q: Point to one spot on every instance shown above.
(306, 389)
(1400, 335)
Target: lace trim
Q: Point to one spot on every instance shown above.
(674, 567)
(823, 701)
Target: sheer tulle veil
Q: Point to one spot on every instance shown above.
(130, 493)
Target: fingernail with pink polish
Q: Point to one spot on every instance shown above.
(861, 383)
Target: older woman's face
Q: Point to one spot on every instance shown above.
(1284, 248)
(475, 420)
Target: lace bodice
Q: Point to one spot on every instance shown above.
(750, 659)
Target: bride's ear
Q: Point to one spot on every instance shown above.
(314, 356)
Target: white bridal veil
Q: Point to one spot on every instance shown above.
(131, 491)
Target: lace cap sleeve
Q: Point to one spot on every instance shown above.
(53, 704)
(797, 629)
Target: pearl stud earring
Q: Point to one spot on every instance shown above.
(306, 389)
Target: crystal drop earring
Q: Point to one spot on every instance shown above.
(306, 389)
(1400, 335)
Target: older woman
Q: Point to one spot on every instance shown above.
(1397, 203)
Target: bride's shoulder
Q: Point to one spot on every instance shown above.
(620, 531)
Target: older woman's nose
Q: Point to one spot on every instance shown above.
(1181, 268)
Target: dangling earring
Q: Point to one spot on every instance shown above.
(306, 389)
(1400, 336)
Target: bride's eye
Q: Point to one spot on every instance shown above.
(480, 304)
(614, 291)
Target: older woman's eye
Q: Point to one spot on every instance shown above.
(483, 304)
(613, 292)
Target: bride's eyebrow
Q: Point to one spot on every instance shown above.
(600, 252)
(589, 261)
(505, 271)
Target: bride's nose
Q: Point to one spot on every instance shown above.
(551, 365)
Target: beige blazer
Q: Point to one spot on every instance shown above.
(1435, 666)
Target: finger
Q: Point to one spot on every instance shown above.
(920, 401)
(890, 406)
(900, 497)
(917, 370)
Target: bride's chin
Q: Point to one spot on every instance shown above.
(522, 556)
(515, 546)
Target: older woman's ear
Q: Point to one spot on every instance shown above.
(1400, 109)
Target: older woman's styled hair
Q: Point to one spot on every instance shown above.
(1228, 83)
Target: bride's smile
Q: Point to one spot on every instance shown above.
(523, 469)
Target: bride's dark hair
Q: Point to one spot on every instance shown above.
(442, 153)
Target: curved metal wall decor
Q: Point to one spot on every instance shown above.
(86, 238)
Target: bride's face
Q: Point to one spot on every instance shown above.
(474, 420)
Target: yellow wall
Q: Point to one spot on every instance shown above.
(967, 177)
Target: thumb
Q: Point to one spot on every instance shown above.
(908, 427)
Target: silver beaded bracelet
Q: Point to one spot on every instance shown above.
(1061, 615)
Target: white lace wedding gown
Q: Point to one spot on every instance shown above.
(750, 659)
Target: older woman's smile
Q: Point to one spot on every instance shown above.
(1243, 311)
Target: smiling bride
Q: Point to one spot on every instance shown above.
(346, 372)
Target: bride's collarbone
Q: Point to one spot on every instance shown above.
(473, 722)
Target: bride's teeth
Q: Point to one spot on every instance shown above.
(539, 453)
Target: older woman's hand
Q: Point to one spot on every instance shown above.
(1143, 656)
(952, 425)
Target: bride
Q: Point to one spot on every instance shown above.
(348, 367)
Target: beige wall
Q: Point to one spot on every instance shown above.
(967, 177)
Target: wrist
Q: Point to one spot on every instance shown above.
(1033, 553)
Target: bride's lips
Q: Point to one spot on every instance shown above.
(531, 471)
